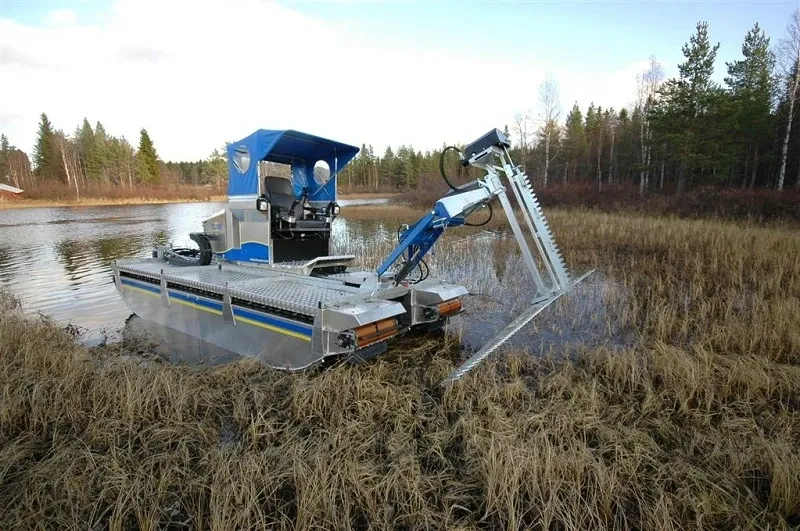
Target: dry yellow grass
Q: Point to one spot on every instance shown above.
(136, 200)
(696, 427)
(100, 201)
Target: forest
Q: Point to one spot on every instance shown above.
(91, 159)
(681, 132)
(687, 132)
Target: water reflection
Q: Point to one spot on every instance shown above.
(58, 260)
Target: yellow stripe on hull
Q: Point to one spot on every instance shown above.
(179, 301)
(272, 328)
(217, 312)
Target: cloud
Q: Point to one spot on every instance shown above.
(197, 74)
(140, 54)
(11, 56)
(60, 18)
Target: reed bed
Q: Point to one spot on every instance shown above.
(696, 425)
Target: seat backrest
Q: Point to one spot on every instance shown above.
(280, 192)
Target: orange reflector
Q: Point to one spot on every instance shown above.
(373, 332)
(451, 307)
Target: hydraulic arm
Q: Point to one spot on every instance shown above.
(490, 152)
(450, 211)
(546, 266)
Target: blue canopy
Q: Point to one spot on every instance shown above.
(302, 151)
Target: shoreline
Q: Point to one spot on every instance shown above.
(103, 201)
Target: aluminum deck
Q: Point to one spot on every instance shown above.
(280, 288)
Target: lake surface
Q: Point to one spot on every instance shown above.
(58, 261)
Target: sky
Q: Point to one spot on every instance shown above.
(198, 73)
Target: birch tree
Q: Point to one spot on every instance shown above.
(648, 84)
(611, 123)
(522, 126)
(5, 151)
(550, 115)
(790, 61)
(69, 158)
(15, 167)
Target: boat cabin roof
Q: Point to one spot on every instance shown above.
(300, 150)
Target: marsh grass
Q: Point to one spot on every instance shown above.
(60, 194)
(696, 426)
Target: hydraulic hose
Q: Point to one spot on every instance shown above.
(441, 165)
(453, 187)
(484, 222)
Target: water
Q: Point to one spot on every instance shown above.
(58, 261)
(490, 266)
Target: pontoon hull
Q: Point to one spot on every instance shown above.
(274, 341)
(284, 320)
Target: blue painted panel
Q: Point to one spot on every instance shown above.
(249, 252)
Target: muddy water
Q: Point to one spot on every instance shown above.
(58, 261)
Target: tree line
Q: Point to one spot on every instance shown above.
(680, 132)
(684, 131)
(90, 157)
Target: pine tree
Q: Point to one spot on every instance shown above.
(387, 166)
(88, 152)
(752, 87)
(595, 134)
(574, 142)
(214, 170)
(398, 172)
(589, 125)
(101, 150)
(42, 151)
(46, 156)
(685, 102)
(147, 169)
(626, 151)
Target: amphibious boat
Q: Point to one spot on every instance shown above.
(262, 282)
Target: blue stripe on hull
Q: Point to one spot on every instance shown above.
(141, 285)
(273, 321)
(270, 322)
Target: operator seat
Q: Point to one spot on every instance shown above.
(281, 197)
(281, 194)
